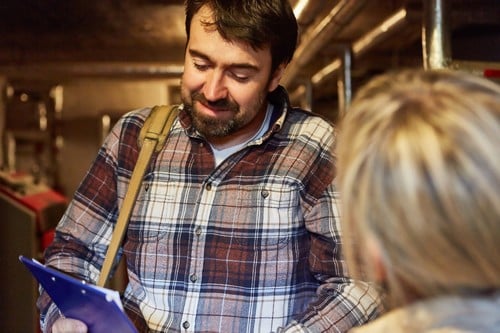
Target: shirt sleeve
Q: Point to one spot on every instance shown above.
(341, 301)
(84, 232)
(49, 312)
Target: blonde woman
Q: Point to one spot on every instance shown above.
(419, 160)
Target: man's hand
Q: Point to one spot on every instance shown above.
(67, 325)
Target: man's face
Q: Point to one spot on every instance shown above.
(225, 83)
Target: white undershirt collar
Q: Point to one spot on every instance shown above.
(221, 154)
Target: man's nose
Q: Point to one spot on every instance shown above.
(215, 87)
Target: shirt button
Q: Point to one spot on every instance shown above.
(185, 324)
(193, 277)
(198, 231)
(208, 186)
(265, 193)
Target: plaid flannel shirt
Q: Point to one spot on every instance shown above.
(252, 245)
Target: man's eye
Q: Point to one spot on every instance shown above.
(239, 77)
(200, 67)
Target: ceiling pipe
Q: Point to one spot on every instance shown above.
(380, 32)
(318, 36)
(55, 71)
(364, 43)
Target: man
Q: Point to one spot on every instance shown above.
(236, 225)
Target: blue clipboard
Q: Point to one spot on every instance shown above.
(98, 307)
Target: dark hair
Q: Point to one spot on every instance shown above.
(256, 22)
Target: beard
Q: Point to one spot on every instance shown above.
(216, 128)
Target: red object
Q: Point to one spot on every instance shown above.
(47, 205)
(491, 73)
(46, 238)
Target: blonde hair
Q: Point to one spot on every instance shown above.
(419, 175)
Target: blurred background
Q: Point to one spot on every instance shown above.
(70, 69)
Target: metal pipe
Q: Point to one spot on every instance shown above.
(364, 43)
(344, 85)
(92, 69)
(436, 35)
(318, 36)
(380, 32)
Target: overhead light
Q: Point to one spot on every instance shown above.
(299, 8)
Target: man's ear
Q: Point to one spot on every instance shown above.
(276, 77)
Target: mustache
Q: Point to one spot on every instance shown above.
(220, 104)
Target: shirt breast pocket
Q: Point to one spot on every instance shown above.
(271, 217)
(155, 212)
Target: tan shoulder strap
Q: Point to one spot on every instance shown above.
(158, 123)
(151, 138)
